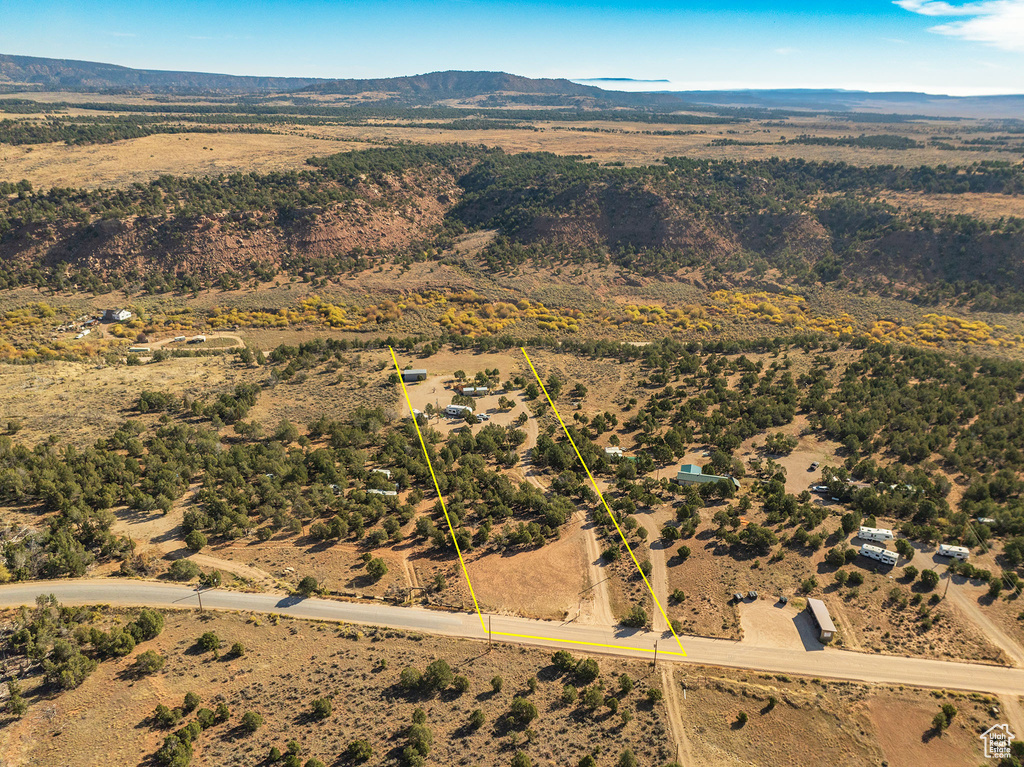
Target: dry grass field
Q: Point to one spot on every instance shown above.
(289, 663)
(548, 583)
(987, 207)
(144, 159)
(140, 160)
(80, 402)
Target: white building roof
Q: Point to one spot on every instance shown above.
(820, 613)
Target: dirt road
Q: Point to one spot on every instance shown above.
(652, 522)
(597, 610)
(961, 596)
(164, 534)
(684, 754)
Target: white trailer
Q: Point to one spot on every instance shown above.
(956, 552)
(458, 411)
(879, 554)
(875, 534)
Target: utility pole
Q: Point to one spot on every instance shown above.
(655, 654)
(199, 593)
(489, 645)
(949, 577)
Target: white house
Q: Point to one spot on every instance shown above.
(116, 315)
(613, 452)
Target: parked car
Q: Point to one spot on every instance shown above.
(814, 466)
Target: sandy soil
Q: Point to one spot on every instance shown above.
(969, 599)
(904, 735)
(288, 664)
(810, 448)
(549, 582)
(769, 623)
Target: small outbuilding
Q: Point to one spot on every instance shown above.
(412, 376)
(818, 611)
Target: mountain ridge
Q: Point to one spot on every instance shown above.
(34, 73)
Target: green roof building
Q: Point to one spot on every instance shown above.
(691, 474)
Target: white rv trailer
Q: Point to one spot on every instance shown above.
(875, 534)
(956, 552)
(458, 411)
(879, 554)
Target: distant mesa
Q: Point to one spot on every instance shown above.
(616, 80)
(31, 73)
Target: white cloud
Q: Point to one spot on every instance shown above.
(786, 51)
(994, 22)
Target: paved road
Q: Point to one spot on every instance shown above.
(831, 663)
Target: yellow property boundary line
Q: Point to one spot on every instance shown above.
(444, 508)
(462, 561)
(603, 501)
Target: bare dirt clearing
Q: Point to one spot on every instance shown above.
(904, 733)
(549, 582)
(768, 623)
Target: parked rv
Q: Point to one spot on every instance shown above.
(955, 552)
(879, 554)
(875, 534)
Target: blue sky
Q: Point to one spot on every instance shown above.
(926, 45)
